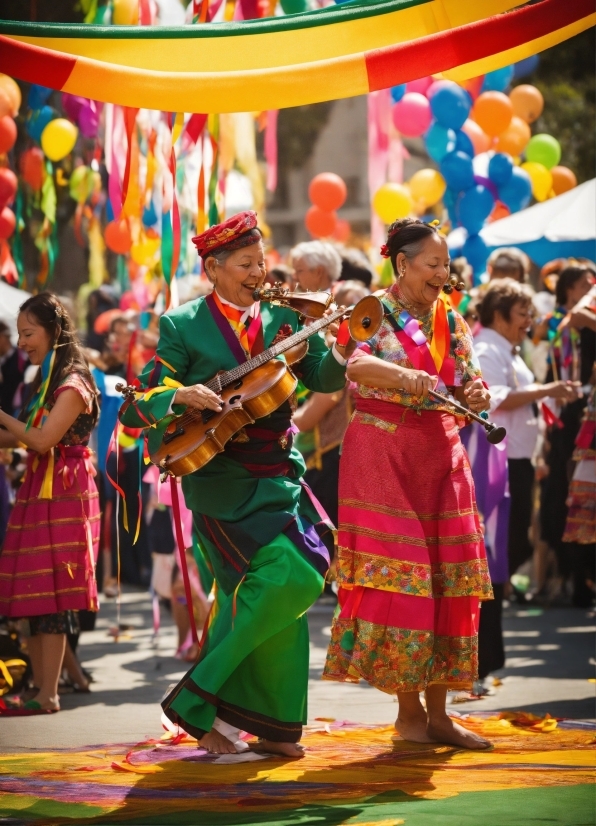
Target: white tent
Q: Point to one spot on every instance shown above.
(561, 227)
(10, 300)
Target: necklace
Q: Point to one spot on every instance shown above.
(409, 306)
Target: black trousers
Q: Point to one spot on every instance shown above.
(521, 486)
(491, 651)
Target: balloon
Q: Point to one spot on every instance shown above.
(397, 92)
(8, 186)
(89, 119)
(31, 167)
(500, 168)
(481, 180)
(437, 85)
(319, 222)
(294, 6)
(542, 180)
(8, 223)
(527, 102)
(58, 138)
(421, 86)
(476, 253)
(125, 13)
(523, 68)
(493, 112)
(117, 237)
(392, 201)
(327, 191)
(146, 249)
(81, 184)
(451, 106)
(8, 134)
(480, 140)
(38, 120)
(10, 96)
(500, 211)
(458, 171)
(544, 149)
(514, 139)
(37, 96)
(517, 191)
(343, 230)
(72, 105)
(498, 80)
(149, 215)
(412, 115)
(475, 206)
(463, 143)
(439, 141)
(563, 179)
(427, 186)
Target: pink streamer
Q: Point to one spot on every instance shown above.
(271, 149)
(379, 121)
(118, 160)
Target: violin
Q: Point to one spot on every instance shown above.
(249, 392)
(308, 305)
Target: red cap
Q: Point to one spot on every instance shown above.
(238, 231)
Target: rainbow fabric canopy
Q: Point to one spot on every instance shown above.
(273, 63)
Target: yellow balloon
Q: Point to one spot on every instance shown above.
(59, 138)
(144, 252)
(392, 201)
(542, 180)
(125, 13)
(428, 186)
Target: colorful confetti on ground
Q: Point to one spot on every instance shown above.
(540, 771)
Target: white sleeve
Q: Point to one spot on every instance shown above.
(338, 357)
(496, 372)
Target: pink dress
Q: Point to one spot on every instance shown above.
(47, 562)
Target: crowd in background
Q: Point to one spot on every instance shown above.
(536, 347)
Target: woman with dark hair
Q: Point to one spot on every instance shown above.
(411, 563)
(47, 563)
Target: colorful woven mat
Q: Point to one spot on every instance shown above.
(540, 771)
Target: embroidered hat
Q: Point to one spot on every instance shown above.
(238, 231)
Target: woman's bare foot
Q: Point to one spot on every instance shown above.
(445, 730)
(413, 728)
(272, 747)
(216, 743)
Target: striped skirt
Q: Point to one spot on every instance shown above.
(48, 557)
(411, 561)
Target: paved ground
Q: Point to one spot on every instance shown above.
(550, 660)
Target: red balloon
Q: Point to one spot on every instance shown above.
(8, 134)
(117, 237)
(8, 223)
(327, 191)
(319, 222)
(31, 164)
(8, 186)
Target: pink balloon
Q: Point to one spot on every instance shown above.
(480, 140)
(412, 114)
(437, 85)
(421, 86)
(72, 105)
(89, 119)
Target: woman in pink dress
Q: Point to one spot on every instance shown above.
(47, 563)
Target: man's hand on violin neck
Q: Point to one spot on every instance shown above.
(199, 397)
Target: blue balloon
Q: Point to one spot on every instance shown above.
(464, 144)
(525, 67)
(451, 106)
(498, 80)
(149, 215)
(458, 171)
(397, 92)
(37, 96)
(500, 168)
(474, 208)
(439, 141)
(476, 253)
(38, 120)
(450, 204)
(517, 192)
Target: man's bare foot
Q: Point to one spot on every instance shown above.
(272, 747)
(216, 743)
(413, 728)
(445, 730)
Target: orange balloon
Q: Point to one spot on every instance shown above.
(493, 111)
(327, 191)
(10, 96)
(117, 237)
(480, 140)
(515, 138)
(500, 210)
(563, 179)
(8, 134)
(319, 222)
(31, 166)
(8, 223)
(527, 102)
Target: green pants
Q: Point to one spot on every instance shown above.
(253, 667)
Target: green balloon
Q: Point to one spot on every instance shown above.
(544, 149)
(294, 6)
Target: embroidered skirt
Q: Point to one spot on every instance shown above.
(48, 557)
(411, 561)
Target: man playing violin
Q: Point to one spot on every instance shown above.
(262, 534)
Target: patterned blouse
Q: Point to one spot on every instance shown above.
(80, 431)
(385, 345)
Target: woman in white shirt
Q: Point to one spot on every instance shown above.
(505, 313)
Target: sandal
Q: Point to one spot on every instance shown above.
(29, 709)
